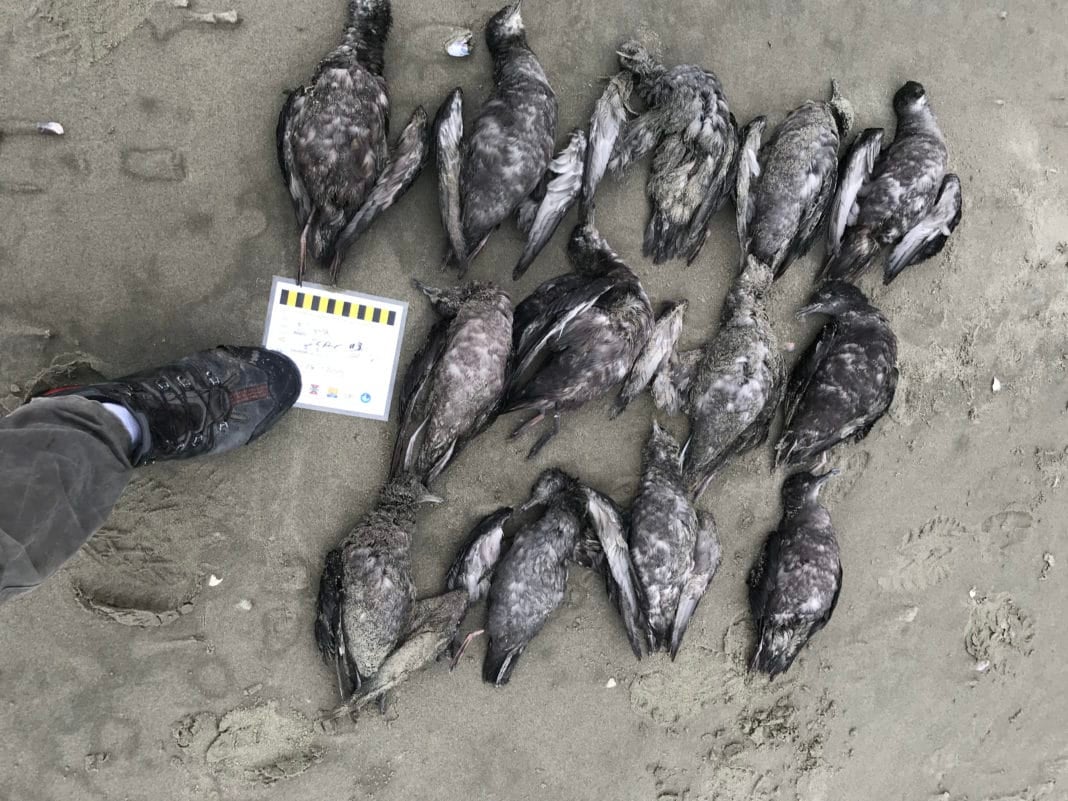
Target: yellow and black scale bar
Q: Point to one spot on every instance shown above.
(359, 311)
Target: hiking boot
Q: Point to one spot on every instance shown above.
(209, 402)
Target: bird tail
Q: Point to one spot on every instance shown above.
(858, 251)
(498, 665)
(664, 239)
(778, 647)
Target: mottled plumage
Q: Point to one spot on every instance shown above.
(845, 381)
(694, 140)
(529, 582)
(454, 385)
(906, 195)
(673, 547)
(366, 591)
(731, 386)
(332, 139)
(786, 185)
(484, 179)
(578, 335)
(794, 586)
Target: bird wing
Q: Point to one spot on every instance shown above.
(606, 124)
(449, 136)
(659, 350)
(415, 392)
(748, 171)
(474, 564)
(706, 558)
(468, 385)
(850, 389)
(801, 171)
(302, 203)
(857, 172)
(558, 316)
(759, 580)
(805, 369)
(929, 235)
(560, 195)
(637, 140)
(407, 161)
(530, 316)
(672, 382)
(606, 520)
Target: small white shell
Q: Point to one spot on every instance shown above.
(214, 581)
(53, 128)
(610, 684)
(995, 385)
(459, 46)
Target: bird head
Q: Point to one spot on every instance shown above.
(636, 58)
(662, 448)
(803, 489)
(548, 485)
(506, 27)
(841, 110)
(834, 298)
(910, 98)
(409, 490)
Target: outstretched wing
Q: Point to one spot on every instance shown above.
(607, 523)
(748, 171)
(859, 164)
(449, 136)
(560, 195)
(659, 351)
(927, 238)
(407, 162)
(606, 124)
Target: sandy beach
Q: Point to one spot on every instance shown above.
(154, 227)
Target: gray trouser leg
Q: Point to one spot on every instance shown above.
(63, 464)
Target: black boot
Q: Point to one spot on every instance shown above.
(209, 402)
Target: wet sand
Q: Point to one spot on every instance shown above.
(154, 227)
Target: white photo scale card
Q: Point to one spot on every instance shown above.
(346, 345)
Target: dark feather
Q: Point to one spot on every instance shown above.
(795, 584)
(846, 383)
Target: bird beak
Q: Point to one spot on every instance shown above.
(805, 311)
(526, 507)
(821, 480)
(426, 496)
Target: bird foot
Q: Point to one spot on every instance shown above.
(528, 424)
(463, 647)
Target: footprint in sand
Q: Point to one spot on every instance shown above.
(1009, 523)
(259, 744)
(998, 632)
(922, 556)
